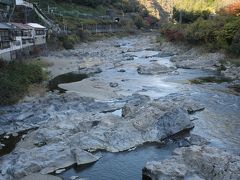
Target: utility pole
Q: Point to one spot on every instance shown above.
(25, 14)
(180, 16)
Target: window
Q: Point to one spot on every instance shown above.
(16, 43)
(26, 33)
(1, 33)
(40, 32)
(4, 35)
(17, 33)
(30, 41)
(5, 45)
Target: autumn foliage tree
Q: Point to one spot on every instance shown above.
(232, 9)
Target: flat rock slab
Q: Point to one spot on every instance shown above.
(88, 88)
(154, 69)
(41, 177)
(84, 157)
(32, 114)
(195, 162)
(92, 131)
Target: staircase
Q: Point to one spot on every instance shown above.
(6, 10)
(49, 23)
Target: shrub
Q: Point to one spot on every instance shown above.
(128, 26)
(190, 16)
(83, 35)
(226, 34)
(15, 79)
(222, 32)
(151, 21)
(174, 35)
(202, 31)
(36, 51)
(173, 32)
(139, 22)
(68, 41)
(235, 45)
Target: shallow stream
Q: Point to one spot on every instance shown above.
(218, 123)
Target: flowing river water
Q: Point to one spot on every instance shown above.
(218, 123)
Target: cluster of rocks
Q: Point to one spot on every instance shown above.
(206, 61)
(89, 70)
(196, 58)
(72, 129)
(195, 162)
(232, 72)
(154, 69)
(172, 49)
(32, 114)
(73, 136)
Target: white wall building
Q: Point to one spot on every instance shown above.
(39, 33)
(18, 39)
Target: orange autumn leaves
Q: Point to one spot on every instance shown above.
(231, 9)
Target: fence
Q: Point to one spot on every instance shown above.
(102, 28)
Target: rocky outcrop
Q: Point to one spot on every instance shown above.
(172, 48)
(232, 72)
(154, 69)
(195, 162)
(41, 177)
(83, 157)
(69, 137)
(207, 61)
(32, 114)
(89, 70)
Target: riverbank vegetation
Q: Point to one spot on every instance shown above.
(198, 26)
(222, 32)
(16, 77)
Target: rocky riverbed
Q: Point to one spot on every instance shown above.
(131, 95)
(195, 162)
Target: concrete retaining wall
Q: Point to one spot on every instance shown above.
(24, 53)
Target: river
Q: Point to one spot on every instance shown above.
(218, 122)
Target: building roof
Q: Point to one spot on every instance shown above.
(37, 26)
(5, 26)
(22, 26)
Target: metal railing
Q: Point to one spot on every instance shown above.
(102, 28)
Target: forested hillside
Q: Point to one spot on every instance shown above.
(213, 23)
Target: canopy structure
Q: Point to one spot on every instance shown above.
(36, 26)
(5, 26)
(22, 26)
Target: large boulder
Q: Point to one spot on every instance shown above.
(45, 159)
(207, 61)
(154, 69)
(195, 162)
